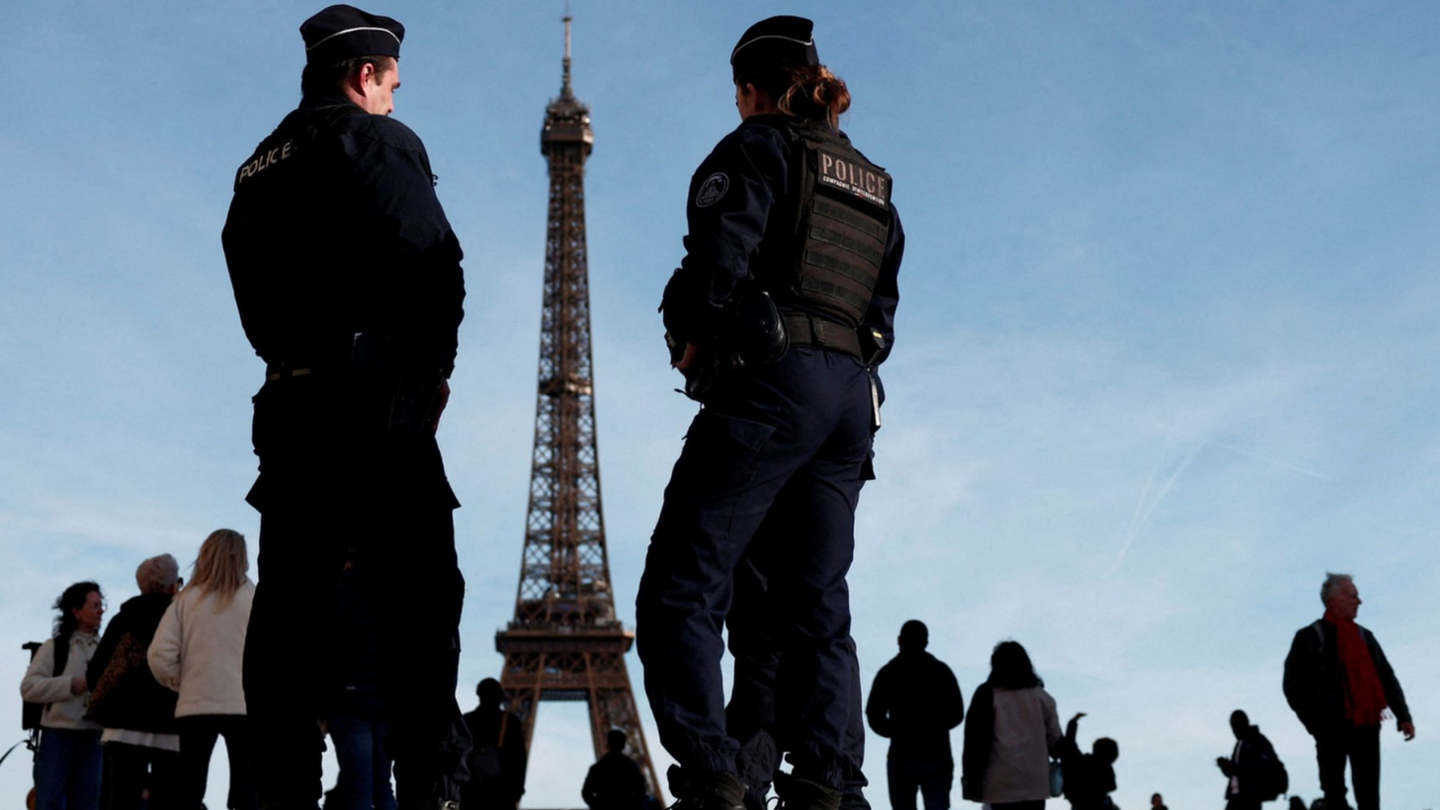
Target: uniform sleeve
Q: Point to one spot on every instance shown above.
(731, 197)
(415, 282)
(39, 684)
(164, 653)
(886, 298)
(877, 707)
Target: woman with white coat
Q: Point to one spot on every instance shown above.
(197, 651)
(68, 762)
(1009, 735)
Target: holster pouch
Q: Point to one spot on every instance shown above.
(754, 337)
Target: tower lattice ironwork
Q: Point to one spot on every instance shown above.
(565, 642)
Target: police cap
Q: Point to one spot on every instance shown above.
(343, 32)
(782, 40)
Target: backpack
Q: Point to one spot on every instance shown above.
(31, 713)
(1275, 781)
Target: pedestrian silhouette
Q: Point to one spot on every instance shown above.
(497, 762)
(615, 781)
(1250, 766)
(1340, 685)
(915, 701)
(1089, 778)
(1011, 731)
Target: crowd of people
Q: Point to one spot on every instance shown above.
(130, 717)
(1337, 680)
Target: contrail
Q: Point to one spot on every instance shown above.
(1147, 506)
(1284, 465)
(1143, 512)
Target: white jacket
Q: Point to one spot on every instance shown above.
(42, 685)
(197, 651)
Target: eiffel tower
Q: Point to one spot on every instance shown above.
(565, 642)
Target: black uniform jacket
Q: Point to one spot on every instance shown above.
(748, 178)
(344, 265)
(1315, 681)
(334, 231)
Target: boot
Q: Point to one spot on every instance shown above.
(802, 794)
(707, 791)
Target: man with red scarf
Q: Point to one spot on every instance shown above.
(1340, 684)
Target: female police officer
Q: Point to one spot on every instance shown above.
(792, 243)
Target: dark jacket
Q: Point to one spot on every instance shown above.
(335, 229)
(124, 694)
(915, 701)
(1315, 680)
(1249, 764)
(614, 783)
(497, 761)
(1088, 779)
(344, 267)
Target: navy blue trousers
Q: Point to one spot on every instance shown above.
(753, 716)
(791, 439)
(327, 489)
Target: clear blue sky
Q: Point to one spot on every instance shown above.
(1166, 348)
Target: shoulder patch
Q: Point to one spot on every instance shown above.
(712, 190)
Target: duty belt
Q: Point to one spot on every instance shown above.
(273, 373)
(811, 330)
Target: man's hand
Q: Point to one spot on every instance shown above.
(1408, 729)
(443, 397)
(78, 685)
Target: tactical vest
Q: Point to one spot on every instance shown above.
(842, 225)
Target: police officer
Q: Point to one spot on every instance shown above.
(792, 242)
(348, 281)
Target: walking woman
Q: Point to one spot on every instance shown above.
(1009, 735)
(68, 764)
(778, 316)
(197, 651)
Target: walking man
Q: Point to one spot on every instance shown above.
(915, 701)
(348, 281)
(1339, 683)
(1249, 765)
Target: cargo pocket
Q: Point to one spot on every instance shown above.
(722, 452)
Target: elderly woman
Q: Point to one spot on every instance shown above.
(197, 652)
(141, 737)
(67, 766)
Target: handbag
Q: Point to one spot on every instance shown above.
(1057, 778)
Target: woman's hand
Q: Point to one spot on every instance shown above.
(78, 685)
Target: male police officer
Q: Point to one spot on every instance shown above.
(785, 210)
(348, 281)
